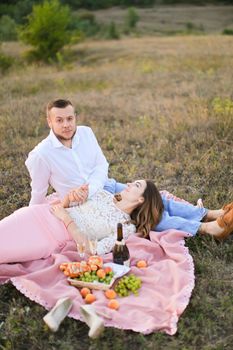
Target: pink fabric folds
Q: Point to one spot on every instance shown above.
(167, 283)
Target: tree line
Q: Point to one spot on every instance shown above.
(19, 9)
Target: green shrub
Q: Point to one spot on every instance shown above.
(5, 63)
(22, 9)
(7, 9)
(132, 18)
(90, 4)
(47, 29)
(84, 22)
(17, 9)
(227, 31)
(8, 31)
(86, 16)
(112, 32)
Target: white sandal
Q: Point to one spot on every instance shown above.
(57, 314)
(93, 321)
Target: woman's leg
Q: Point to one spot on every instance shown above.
(214, 214)
(220, 228)
(177, 223)
(30, 233)
(180, 216)
(183, 209)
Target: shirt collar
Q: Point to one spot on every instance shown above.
(57, 144)
(75, 140)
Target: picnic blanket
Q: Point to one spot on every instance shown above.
(167, 283)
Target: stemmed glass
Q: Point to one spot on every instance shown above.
(92, 241)
(81, 249)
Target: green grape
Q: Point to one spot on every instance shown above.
(128, 284)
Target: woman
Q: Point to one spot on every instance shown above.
(168, 214)
(33, 232)
(183, 216)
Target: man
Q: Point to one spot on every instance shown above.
(69, 159)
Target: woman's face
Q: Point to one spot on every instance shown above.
(134, 191)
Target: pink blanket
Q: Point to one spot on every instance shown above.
(167, 283)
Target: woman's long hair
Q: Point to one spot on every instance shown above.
(148, 214)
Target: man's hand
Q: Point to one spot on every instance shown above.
(79, 194)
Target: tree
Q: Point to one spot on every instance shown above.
(47, 29)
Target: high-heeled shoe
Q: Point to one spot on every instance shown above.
(93, 321)
(226, 222)
(227, 207)
(57, 314)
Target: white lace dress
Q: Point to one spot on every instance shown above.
(99, 217)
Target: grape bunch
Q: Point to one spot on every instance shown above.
(98, 276)
(128, 284)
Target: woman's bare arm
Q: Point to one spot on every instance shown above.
(66, 201)
(70, 225)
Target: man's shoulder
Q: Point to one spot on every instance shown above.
(83, 129)
(85, 132)
(43, 146)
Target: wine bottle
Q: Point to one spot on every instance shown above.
(120, 251)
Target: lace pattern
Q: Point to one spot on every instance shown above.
(98, 217)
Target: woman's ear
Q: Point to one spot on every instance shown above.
(141, 199)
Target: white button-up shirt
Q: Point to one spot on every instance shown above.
(51, 163)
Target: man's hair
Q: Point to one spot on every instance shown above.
(58, 104)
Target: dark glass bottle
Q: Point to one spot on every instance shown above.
(120, 251)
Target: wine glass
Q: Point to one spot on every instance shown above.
(81, 247)
(92, 241)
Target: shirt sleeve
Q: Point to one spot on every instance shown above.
(99, 175)
(106, 244)
(40, 174)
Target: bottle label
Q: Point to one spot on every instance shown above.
(127, 263)
(120, 261)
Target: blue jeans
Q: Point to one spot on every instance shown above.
(177, 215)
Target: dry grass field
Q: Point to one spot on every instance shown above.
(161, 108)
(162, 20)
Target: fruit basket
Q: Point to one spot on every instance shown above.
(118, 271)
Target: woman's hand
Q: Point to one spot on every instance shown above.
(59, 212)
(79, 194)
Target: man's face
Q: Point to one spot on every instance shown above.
(63, 122)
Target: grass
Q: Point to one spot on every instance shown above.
(161, 108)
(173, 19)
